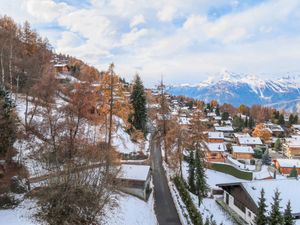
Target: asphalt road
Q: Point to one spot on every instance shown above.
(164, 206)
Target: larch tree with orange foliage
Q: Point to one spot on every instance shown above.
(261, 132)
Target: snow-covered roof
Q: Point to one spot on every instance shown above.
(215, 135)
(293, 194)
(60, 65)
(184, 120)
(296, 126)
(274, 127)
(216, 147)
(242, 149)
(224, 129)
(211, 114)
(253, 188)
(249, 141)
(134, 172)
(289, 163)
(217, 117)
(293, 142)
(241, 135)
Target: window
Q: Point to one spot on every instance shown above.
(240, 205)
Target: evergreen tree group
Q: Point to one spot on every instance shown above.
(138, 101)
(275, 217)
(293, 119)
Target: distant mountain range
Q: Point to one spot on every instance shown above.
(283, 93)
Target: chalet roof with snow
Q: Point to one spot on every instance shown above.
(242, 149)
(224, 129)
(216, 147)
(296, 126)
(218, 118)
(215, 135)
(241, 135)
(211, 114)
(293, 142)
(274, 127)
(134, 172)
(288, 163)
(249, 141)
(253, 189)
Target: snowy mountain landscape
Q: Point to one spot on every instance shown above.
(108, 116)
(283, 93)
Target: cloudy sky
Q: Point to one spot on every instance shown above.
(184, 40)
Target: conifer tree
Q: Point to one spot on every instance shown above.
(266, 159)
(294, 172)
(277, 145)
(7, 123)
(138, 101)
(287, 217)
(251, 122)
(281, 120)
(261, 218)
(275, 214)
(191, 178)
(201, 185)
(291, 119)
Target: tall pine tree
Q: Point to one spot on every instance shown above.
(201, 185)
(287, 217)
(261, 217)
(7, 123)
(138, 101)
(191, 178)
(275, 214)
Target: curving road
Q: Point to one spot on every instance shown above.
(164, 206)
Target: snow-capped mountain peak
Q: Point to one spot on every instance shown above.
(236, 89)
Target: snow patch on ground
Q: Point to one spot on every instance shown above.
(131, 211)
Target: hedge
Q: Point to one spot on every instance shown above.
(186, 198)
(228, 169)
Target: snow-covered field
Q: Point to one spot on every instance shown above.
(131, 211)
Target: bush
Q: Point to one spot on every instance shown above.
(225, 168)
(186, 198)
(8, 201)
(258, 153)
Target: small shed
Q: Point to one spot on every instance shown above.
(135, 179)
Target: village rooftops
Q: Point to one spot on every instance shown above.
(296, 126)
(215, 135)
(242, 149)
(216, 147)
(134, 172)
(253, 189)
(289, 163)
(241, 135)
(224, 129)
(274, 127)
(293, 142)
(249, 141)
(211, 114)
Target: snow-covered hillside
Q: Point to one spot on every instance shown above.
(245, 89)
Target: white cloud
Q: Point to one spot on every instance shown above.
(137, 20)
(261, 38)
(167, 13)
(47, 10)
(132, 36)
